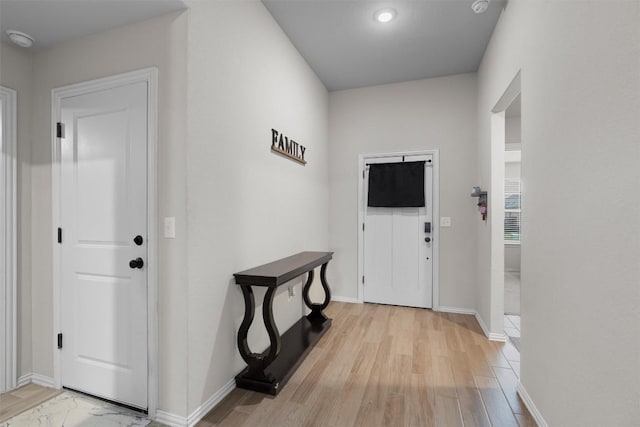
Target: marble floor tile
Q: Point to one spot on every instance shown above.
(75, 410)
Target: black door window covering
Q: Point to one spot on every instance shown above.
(396, 185)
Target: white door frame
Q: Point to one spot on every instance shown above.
(8, 237)
(150, 76)
(496, 208)
(435, 224)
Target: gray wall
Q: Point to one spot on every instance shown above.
(247, 205)
(580, 64)
(16, 72)
(425, 114)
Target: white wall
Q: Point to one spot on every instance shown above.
(512, 170)
(511, 257)
(159, 42)
(513, 130)
(426, 114)
(580, 65)
(16, 72)
(247, 206)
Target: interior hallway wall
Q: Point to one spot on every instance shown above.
(580, 68)
(16, 72)
(435, 113)
(247, 205)
(159, 42)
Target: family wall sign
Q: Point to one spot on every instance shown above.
(286, 146)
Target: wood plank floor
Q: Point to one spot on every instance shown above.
(26, 397)
(391, 366)
(377, 366)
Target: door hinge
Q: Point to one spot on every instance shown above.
(59, 341)
(59, 235)
(362, 173)
(363, 280)
(59, 130)
(363, 226)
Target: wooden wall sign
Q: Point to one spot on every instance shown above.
(287, 147)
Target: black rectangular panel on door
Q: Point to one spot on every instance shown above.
(396, 185)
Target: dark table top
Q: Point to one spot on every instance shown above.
(281, 271)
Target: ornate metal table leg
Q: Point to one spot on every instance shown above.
(258, 362)
(316, 314)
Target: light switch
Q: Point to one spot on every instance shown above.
(445, 221)
(170, 227)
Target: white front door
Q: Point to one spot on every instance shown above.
(103, 208)
(398, 261)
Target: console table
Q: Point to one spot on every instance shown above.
(269, 371)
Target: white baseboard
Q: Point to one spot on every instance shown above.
(345, 299)
(37, 379)
(24, 380)
(170, 419)
(207, 406)
(173, 420)
(491, 335)
(456, 310)
(535, 413)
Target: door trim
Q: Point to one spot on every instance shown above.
(150, 76)
(8, 232)
(435, 226)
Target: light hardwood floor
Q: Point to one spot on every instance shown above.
(26, 397)
(377, 366)
(391, 366)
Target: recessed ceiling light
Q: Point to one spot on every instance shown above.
(480, 6)
(20, 38)
(385, 15)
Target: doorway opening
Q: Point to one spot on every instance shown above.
(512, 216)
(506, 144)
(8, 239)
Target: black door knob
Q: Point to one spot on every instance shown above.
(427, 239)
(138, 240)
(136, 263)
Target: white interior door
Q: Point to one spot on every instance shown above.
(398, 261)
(103, 208)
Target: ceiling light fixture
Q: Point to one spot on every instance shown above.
(385, 15)
(480, 6)
(20, 38)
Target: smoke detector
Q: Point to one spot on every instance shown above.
(480, 6)
(20, 38)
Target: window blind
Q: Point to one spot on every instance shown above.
(512, 209)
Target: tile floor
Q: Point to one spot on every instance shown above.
(512, 329)
(512, 325)
(512, 307)
(70, 409)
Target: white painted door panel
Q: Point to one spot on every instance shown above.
(397, 260)
(103, 207)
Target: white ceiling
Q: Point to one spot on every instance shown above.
(56, 21)
(348, 49)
